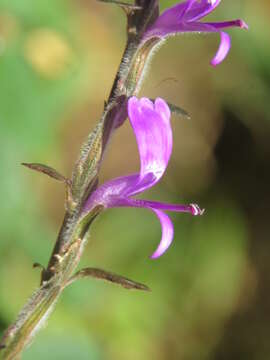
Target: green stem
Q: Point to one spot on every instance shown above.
(30, 319)
(74, 231)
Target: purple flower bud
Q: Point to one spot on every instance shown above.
(152, 128)
(185, 16)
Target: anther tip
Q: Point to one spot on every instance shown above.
(195, 210)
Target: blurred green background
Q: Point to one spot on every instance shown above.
(210, 291)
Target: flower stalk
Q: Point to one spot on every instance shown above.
(145, 31)
(74, 232)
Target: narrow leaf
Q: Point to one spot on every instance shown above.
(125, 6)
(108, 276)
(47, 170)
(176, 110)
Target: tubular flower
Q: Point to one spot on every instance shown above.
(185, 17)
(152, 128)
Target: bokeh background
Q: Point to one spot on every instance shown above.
(210, 291)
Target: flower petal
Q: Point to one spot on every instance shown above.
(166, 223)
(224, 47)
(171, 29)
(176, 18)
(167, 234)
(193, 209)
(109, 193)
(194, 27)
(198, 27)
(227, 24)
(172, 15)
(200, 9)
(184, 17)
(152, 128)
(187, 11)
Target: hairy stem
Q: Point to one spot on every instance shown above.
(74, 230)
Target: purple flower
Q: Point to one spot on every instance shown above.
(152, 128)
(184, 17)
